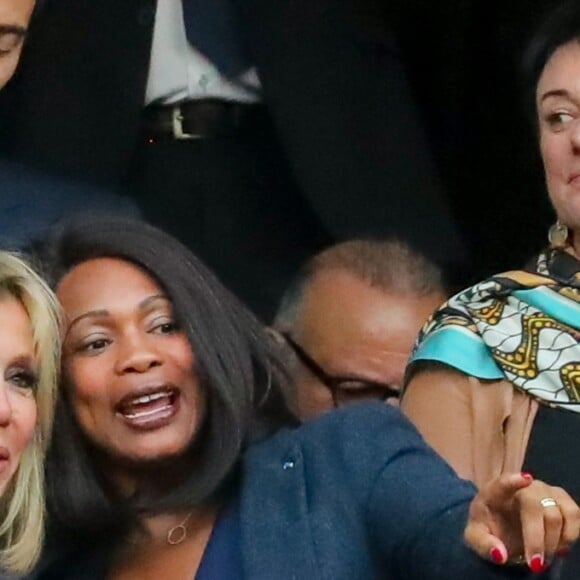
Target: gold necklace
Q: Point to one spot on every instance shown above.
(178, 533)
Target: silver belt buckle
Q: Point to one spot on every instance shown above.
(177, 126)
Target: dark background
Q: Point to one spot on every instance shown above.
(463, 61)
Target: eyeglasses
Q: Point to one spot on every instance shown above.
(344, 390)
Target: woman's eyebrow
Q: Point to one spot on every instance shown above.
(144, 304)
(104, 312)
(151, 300)
(90, 314)
(23, 360)
(554, 93)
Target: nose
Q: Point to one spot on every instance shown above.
(5, 406)
(575, 137)
(137, 354)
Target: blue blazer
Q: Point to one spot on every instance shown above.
(32, 202)
(354, 495)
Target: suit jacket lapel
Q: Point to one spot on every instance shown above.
(275, 515)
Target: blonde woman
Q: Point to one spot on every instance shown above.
(29, 355)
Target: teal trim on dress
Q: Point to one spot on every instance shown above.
(461, 349)
(551, 303)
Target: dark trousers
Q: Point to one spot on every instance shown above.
(234, 202)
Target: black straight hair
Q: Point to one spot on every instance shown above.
(239, 362)
(559, 26)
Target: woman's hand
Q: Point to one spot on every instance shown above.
(518, 519)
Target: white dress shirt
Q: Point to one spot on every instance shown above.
(178, 72)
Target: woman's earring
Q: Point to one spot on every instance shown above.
(558, 235)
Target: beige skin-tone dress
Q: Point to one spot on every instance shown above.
(481, 428)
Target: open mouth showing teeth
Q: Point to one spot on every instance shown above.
(150, 408)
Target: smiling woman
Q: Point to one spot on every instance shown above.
(558, 99)
(494, 383)
(175, 456)
(29, 353)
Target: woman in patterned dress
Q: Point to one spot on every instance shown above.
(494, 381)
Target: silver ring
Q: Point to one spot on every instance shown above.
(548, 502)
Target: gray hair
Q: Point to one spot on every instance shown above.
(390, 265)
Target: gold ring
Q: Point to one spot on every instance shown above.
(548, 502)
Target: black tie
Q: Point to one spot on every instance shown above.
(211, 26)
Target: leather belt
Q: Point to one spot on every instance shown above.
(201, 119)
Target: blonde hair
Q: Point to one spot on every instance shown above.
(22, 505)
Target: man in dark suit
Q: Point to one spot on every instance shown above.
(297, 129)
(31, 202)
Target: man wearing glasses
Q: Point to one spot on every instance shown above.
(350, 320)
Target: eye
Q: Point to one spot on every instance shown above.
(23, 379)
(94, 345)
(97, 344)
(559, 119)
(164, 327)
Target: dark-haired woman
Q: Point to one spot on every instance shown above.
(494, 383)
(174, 455)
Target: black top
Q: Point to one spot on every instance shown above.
(222, 557)
(552, 453)
(552, 456)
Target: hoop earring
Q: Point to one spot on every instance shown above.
(558, 235)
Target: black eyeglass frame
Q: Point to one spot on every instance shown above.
(333, 383)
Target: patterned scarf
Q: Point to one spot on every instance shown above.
(521, 326)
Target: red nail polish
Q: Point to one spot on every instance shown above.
(496, 555)
(563, 552)
(527, 475)
(537, 564)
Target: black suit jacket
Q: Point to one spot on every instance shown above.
(333, 81)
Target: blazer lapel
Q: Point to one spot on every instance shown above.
(276, 536)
